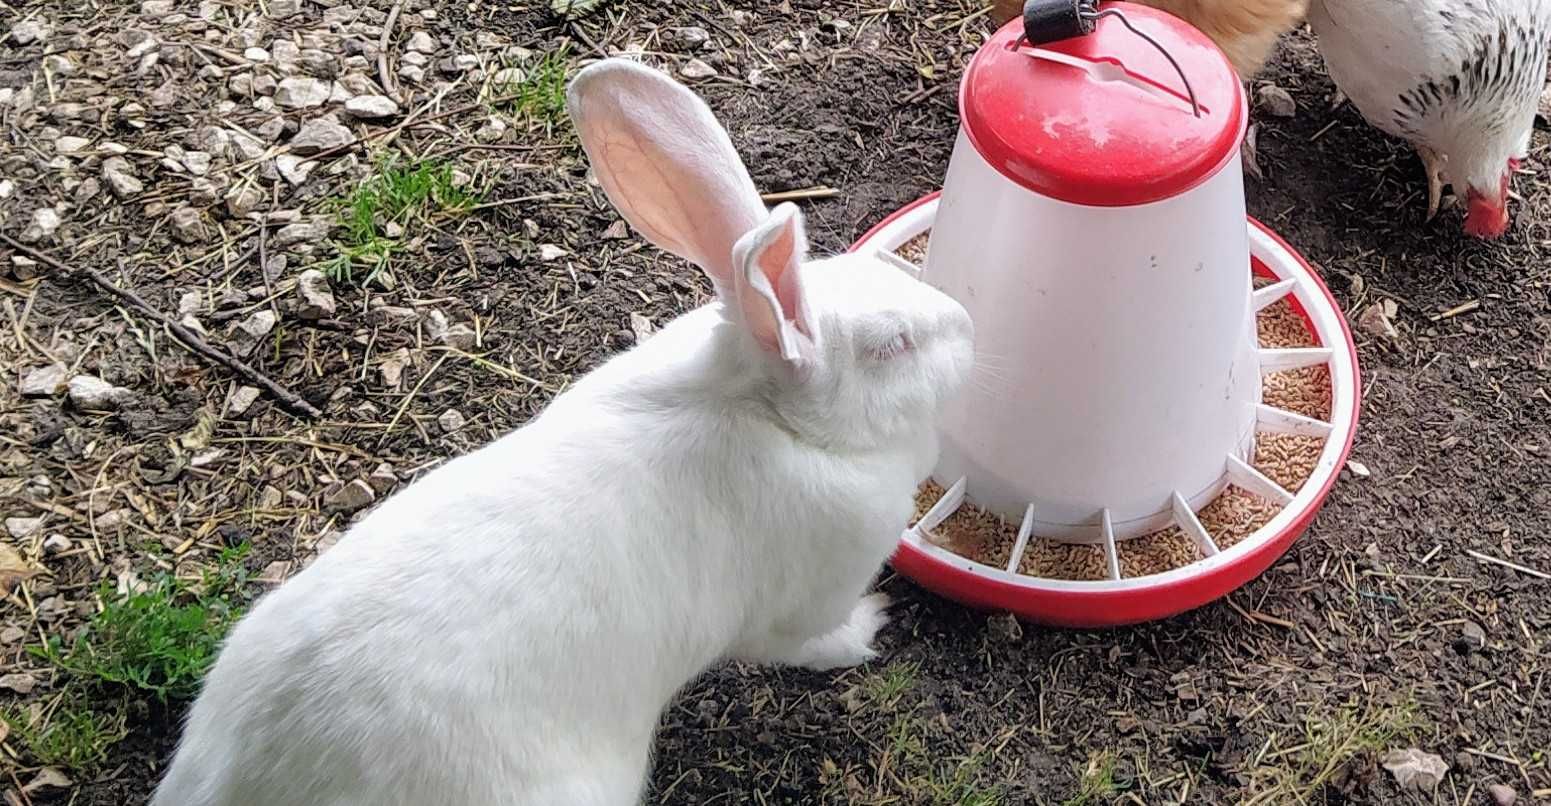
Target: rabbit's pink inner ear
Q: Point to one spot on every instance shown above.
(666, 163)
(771, 297)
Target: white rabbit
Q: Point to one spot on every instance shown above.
(508, 629)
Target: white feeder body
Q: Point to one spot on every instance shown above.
(1114, 319)
(1119, 353)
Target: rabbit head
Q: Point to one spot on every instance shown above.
(850, 351)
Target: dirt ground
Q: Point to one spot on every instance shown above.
(1383, 632)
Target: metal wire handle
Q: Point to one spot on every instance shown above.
(1094, 16)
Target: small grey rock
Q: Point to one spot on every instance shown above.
(243, 199)
(319, 63)
(44, 223)
(20, 528)
(320, 135)
(250, 332)
(70, 144)
(240, 400)
(383, 478)
(294, 169)
(301, 93)
(27, 32)
(371, 107)
(93, 393)
(421, 42)
(1472, 638)
(280, 9)
(188, 225)
(317, 301)
(88, 190)
(642, 327)
(120, 176)
(1503, 795)
(695, 68)
(460, 337)
(302, 232)
(197, 162)
(1276, 101)
(45, 381)
(451, 420)
(351, 497)
(57, 544)
(20, 682)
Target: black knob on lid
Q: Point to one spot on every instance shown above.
(1046, 21)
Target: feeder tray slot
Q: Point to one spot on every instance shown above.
(1245, 476)
(1268, 296)
(1185, 518)
(1111, 555)
(948, 504)
(1022, 544)
(1272, 420)
(1284, 358)
(893, 259)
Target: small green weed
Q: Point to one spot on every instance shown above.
(1097, 784)
(395, 196)
(160, 640)
(954, 784)
(945, 782)
(74, 733)
(1328, 744)
(539, 95)
(885, 688)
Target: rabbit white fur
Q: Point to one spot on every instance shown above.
(508, 629)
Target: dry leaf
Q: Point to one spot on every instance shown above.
(198, 437)
(48, 777)
(1415, 769)
(572, 9)
(14, 568)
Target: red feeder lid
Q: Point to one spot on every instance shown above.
(1104, 119)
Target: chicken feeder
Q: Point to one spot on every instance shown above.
(1093, 224)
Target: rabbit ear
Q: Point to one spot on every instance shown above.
(666, 163)
(769, 285)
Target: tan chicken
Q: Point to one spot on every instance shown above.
(1246, 30)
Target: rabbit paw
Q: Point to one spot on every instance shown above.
(850, 644)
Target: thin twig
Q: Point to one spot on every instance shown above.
(388, 85)
(820, 192)
(288, 400)
(1504, 563)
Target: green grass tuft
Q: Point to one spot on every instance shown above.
(539, 96)
(1328, 744)
(395, 194)
(1097, 784)
(160, 640)
(885, 688)
(75, 734)
(955, 784)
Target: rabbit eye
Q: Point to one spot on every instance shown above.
(894, 347)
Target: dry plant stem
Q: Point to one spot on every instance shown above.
(287, 399)
(388, 85)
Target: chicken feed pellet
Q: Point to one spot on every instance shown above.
(1235, 514)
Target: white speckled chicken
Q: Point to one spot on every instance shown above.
(1458, 79)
